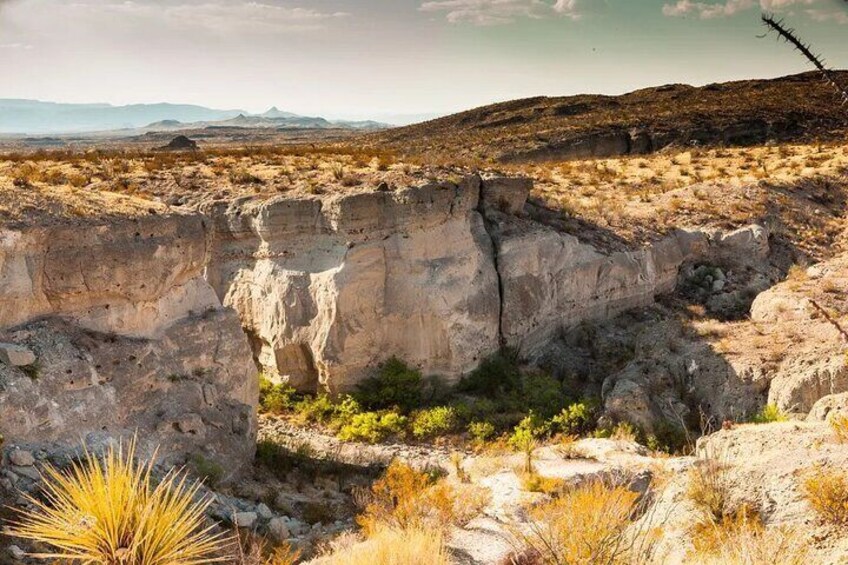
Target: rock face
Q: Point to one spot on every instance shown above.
(552, 281)
(327, 289)
(126, 337)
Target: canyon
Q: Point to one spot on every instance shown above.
(158, 324)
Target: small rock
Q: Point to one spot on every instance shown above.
(21, 458)
(718, 285)
(16, 552)
(244, 519)
(28, 472)
(264, 512)
(278, 529)
(16, 355)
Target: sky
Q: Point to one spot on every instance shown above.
(383, 58)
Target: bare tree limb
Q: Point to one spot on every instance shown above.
(788, 35)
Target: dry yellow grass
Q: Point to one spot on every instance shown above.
(405, 499)
(839, 425)
(583, 526)
(388, 546)
(742, 539)
(108, 512)
(826, 491)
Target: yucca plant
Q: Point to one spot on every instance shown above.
(109, 512)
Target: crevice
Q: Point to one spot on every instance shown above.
(489, 227)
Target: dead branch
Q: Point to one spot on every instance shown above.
(788, 35)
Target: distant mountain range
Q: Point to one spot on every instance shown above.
(37, 118)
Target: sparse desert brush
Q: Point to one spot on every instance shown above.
(389, 546)
(826, 491)
(583, 526)
(742, 539)
(406, 499)
(839, 425)
(108, 511)
(708, 488)
(253, 550)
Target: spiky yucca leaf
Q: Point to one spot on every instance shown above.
(108, 512)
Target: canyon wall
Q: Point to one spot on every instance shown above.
(157, 325)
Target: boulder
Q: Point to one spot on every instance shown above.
(21, 458)
(279, 529)
(244, 519)
(833, 404)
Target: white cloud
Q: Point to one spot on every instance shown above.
(497, 12)
(16, 46)
(711, 10)
(209, 15)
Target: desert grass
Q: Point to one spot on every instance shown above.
(390, 546)
(583, 526)
(742, 539)
(826, 491)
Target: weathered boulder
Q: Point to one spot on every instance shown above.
(831, 405)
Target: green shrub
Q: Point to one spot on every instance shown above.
(481, 431)
(275, 399)
(319, 409)
(525, 437)
(434, 422)
(768, 414)
(372, 427)
(542, 394)
(395, 385)
(496, 375)
(576, 419)
(344, 411)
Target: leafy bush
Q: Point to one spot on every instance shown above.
(481, 431)
(495, 376)
(769, 414)
(107, 511)
(577, 418)
(372, 427)
(826, 491)
(434, 422)
(541, 394)
(319, 409)
(395, 385)
(275, 399)
(585, 525)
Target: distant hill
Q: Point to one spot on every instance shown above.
(799, 107)
(34, 117)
